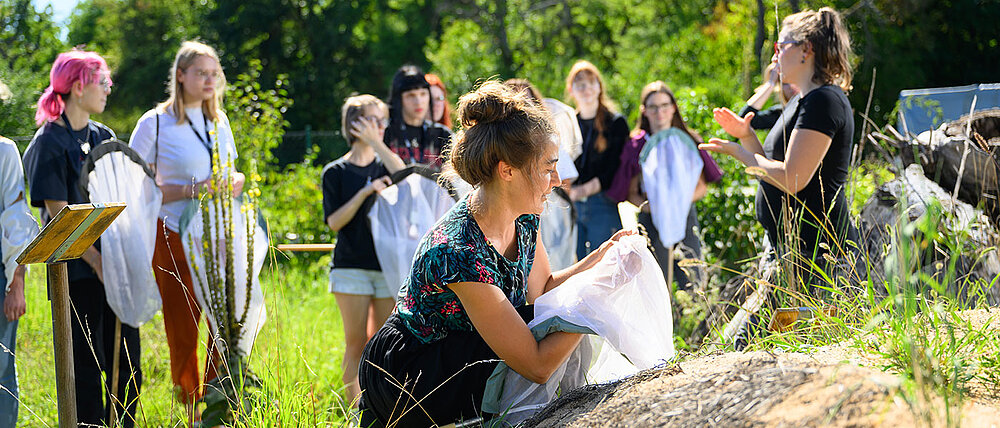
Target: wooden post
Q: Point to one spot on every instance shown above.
(62, 338)
(67, 236)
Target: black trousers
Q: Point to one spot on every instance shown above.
(93, 324)
(406, 383)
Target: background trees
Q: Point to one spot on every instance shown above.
(315, 53)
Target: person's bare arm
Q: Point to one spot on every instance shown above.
(700, 189)
(368, 131)
(806, 149)
(541, 279)
(341, 216)
(505, 332)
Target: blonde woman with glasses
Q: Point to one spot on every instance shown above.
(176, 139)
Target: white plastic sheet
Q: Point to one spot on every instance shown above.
(624, 300)
(401, 215)
(117, 174)
(192, 231)
(558, 229)
(671, 167)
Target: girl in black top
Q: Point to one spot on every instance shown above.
(79, 86)
(410, 134)
(807, 153)
(349, 185)
(605, 133)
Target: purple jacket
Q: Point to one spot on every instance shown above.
(629, 167)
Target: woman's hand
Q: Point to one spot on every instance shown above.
(366, 130)
(732, 123)
(14, 304)
(725, 147)
(598, 254)
(379, 184)
(238, 181)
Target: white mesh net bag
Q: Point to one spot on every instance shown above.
(623, 300)
(400, 216)
(671, 167)
(113, 172)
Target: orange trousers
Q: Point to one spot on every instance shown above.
(181, 315)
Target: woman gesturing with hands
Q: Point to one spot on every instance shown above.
(803, 163)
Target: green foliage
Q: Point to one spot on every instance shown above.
(30, 38)
(292, 195)
(17, 112)
(139, 39)
(30, 43)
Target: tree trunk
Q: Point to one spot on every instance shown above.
(758, 42)
(507, 68)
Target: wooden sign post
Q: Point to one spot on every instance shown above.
(73, 230)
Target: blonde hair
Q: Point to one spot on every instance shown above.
(354, 107)
(186, 56)
(824, 30)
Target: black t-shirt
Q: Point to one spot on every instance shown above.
(827, 110)
(602, 165)
(52, 164)
(341, 181)
(763, 119)
(419, 144)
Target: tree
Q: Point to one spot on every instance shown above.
(139, 39)
(28, 46)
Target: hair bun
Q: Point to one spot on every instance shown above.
(492, 102)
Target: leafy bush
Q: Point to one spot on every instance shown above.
(290, 196)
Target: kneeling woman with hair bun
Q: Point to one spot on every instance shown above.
(466, 302)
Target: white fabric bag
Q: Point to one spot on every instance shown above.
(671, 167)
(400, 217)
(113, 172)
(557, 225)
(192, 231)
(624, 300)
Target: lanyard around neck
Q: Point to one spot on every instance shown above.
(206, 141)
(85, 143)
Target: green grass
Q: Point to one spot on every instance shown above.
(297, 355)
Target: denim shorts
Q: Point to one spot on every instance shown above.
(359, 281)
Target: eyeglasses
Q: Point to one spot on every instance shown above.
(584, 85)
(206, 74)
(104, 83)
(780, 46)
(377, 119)
(659, 107)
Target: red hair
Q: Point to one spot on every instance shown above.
(69, 68)
(433, 80)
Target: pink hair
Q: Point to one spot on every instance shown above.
(69, 67)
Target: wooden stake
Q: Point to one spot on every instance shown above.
(114, 374)
(62, 338)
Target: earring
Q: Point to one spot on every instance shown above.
(803, 60)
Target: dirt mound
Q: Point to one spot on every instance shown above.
(736, 389)
(824, 388)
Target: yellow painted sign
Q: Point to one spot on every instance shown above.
(71, 232)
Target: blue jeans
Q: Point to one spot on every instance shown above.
(8, 372)
(596, 220)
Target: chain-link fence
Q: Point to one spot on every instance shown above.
(295, 145)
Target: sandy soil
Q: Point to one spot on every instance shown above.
(834, 386)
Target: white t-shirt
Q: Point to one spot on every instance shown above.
(180, 157)
(570, 138)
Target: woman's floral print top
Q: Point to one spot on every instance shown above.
(456, 250)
